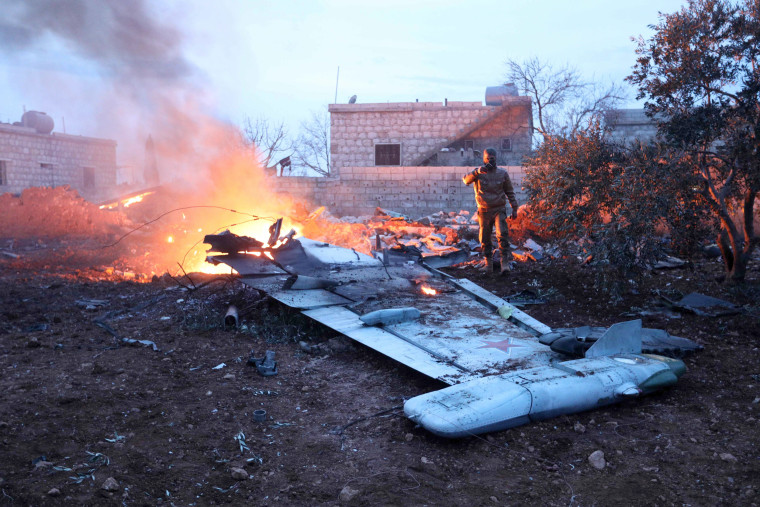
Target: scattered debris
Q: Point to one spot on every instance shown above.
(147, 343)
(266, 365)
(705, 306)
(231, 318)
(227, 242)
(259, 415)
(219, 366)
(669, 262)
(576, 341)
(91, 304)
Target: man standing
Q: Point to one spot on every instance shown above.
(492, 189)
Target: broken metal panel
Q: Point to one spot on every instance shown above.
(307, 299)
(247, 264)
(447, 259)
(331, 254)
(518, 316)
(348, 323)
(706, 306)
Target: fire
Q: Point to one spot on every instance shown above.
(170, 239)
(426, 289)
(126, 203)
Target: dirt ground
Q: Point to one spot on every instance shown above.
(87, 419)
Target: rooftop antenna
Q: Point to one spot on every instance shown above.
(336, 86)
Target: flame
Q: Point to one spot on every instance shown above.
(126, 203)
(170, 239)
(426, 289)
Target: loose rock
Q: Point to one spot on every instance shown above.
(239, 474)
(54, 492)
(348, 493)
(110, 484)
(579, 428)
(727, 456)
(597, 460)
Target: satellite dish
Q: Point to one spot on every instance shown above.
(352, 100)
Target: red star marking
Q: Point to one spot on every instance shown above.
(503, 345)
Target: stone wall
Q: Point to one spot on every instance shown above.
(30, 159)
(424, 128)
(414, 191)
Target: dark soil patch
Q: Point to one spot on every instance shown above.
(79, 407)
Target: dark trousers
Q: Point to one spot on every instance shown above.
(488, 218)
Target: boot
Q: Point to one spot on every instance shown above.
(487, 266)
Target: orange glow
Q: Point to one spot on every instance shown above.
(126, 203)
(428, 290)
(170, 239)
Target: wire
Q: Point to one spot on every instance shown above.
(254, 217)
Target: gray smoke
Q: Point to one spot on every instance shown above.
(120, 36)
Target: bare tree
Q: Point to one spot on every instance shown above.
(563, 102)
(269, 140)
(312, 149)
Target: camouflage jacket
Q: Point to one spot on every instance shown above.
(492, 187)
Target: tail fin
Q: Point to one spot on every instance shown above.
(622, 338)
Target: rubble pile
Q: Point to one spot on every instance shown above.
(441, 234)
(41, 212)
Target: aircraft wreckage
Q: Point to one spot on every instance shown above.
(504, 368)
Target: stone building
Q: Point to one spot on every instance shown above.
(410, 156)
(431, 133)
(32, 156)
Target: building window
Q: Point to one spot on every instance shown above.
(47, 171)
(506, 144)
(469, 145)
(3, 172)
(387, 154)
(88, 177)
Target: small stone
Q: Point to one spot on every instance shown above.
(239, 474)
(494, 499)
(110, 484)
(579, 428)
(597, 460)
(41, 465)
(348, 493)
(33, 343)
(54, 492)
(726, 456)
(4, 424)
(531, 448)
(425, 460)
(229, 376)
(408, 437)
(305, 389)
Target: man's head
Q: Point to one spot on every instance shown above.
(489, 156)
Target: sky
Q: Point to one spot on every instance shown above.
(279, 59)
